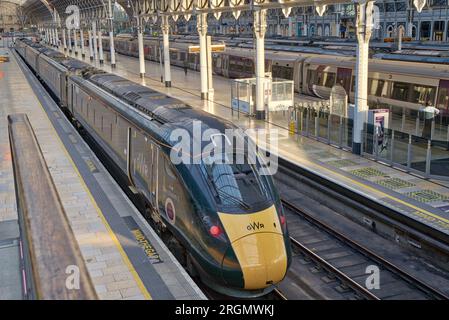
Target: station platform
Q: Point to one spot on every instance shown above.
(424, 200)
(124, 256)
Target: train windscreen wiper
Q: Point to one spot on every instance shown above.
(236, 200)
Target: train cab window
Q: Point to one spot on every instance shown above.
(400, 91)
(192, 58)
(422, 94)
(237, 185)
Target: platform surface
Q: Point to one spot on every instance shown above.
(421, 199)
(111, 233)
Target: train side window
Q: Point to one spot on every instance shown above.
(376, 87)
(169, 169)
(329, 79)
(183, 56)
(400, 91)
(443, 98)
(423, 94)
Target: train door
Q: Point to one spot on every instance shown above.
(153, 154)
(443, 95)
(344, 78)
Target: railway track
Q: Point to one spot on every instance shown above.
(347, 262)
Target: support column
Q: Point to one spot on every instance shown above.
(94, 38)
(69, 40)
(202, 33)
(100, 46)
(83, 52)
(91, 50)
(364, 25)
(165, 31)
(75, 42)
(141, 52)
(260, 26)
(57, 37)
(64, 40)
(111, 35)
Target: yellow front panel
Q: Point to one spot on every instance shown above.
(258, 243)
(240, 225)
(262, 258)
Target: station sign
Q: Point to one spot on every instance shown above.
(214, 47)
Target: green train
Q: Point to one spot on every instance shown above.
(223, 219)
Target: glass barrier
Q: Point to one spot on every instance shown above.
(418, 153)
(323, 118)
(347, 133)
(311, 122)
(335, 129)
(401, 148)
(383, 147)
(439, 159)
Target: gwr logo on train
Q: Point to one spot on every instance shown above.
(255, 226)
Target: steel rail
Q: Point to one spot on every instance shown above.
(367, 252)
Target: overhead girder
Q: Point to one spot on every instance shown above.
(98, 9)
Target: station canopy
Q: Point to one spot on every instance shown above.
(54, 11)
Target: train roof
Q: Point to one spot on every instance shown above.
(171, 113)
(387, 66)
(412, 58)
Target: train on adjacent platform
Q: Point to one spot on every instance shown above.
(223, 220)
(400, 84)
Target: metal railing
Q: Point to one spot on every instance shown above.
(57, 267)
(423, 150)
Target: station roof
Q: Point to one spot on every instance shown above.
(44, 10)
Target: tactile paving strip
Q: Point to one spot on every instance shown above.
(368, 172)
(426, 196)
(323, 155)
(341, 163)
(394, 183)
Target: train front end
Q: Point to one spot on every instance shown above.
(250, 243)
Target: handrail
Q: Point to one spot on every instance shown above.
(58, 270)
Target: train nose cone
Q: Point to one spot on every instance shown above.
(262, 258)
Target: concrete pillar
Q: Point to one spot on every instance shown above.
(91, 49)
(400, 34)
(94, 38)
(57, 37)
(83, 51)
(260, 26)
(202, 33)
(100, 46)
(364, 25)
(75, 41)
(69, 40)
(165, 32)
(64, 40)
(141, 51)
(290, 27)
(111, 35)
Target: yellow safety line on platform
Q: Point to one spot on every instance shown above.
(133, 271)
